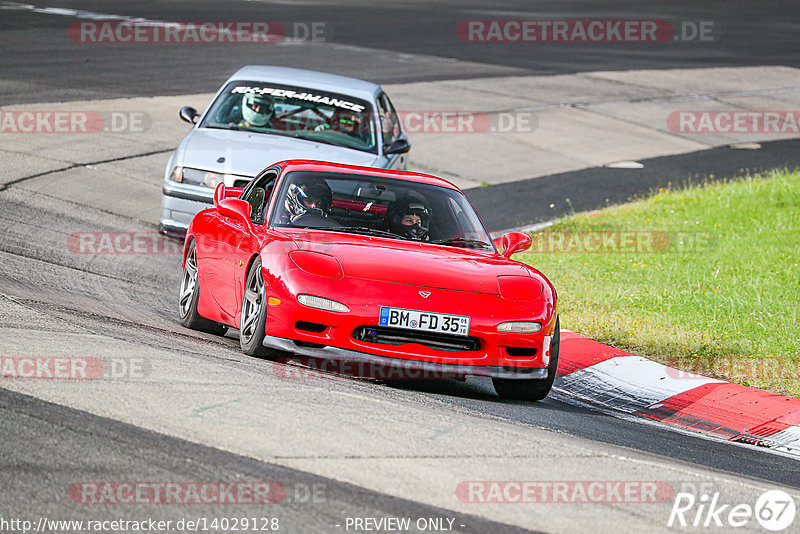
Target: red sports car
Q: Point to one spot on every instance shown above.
(384, 267)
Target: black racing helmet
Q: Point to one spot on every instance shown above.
(302, 196)
(410, 217)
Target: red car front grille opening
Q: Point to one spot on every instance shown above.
(308, 326)
(521, 352)
(398, 336)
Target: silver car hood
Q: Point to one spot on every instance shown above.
(247, 153)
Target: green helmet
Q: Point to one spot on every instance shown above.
(257, 109)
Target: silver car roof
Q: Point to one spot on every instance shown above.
(310, 79)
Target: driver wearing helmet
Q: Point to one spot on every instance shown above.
(410, 217)
(257, 110)
(312, 197)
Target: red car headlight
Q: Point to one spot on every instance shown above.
(519, 287)
(317, 263)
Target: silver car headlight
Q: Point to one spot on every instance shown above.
(188, 175)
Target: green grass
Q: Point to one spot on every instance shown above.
(724, 303)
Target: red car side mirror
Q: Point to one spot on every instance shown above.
(236, 208)
(514, 242)
(219, 193)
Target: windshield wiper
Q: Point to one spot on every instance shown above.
(461, 242)
(365, 230)
(227, 127)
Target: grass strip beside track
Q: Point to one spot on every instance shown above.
(703, 278)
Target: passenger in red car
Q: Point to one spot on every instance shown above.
(410, 217)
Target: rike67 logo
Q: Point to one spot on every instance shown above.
(774, 510)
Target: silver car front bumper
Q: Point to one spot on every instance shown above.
(180, 203)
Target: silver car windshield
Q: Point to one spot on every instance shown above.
(297, 112)
(384, 207)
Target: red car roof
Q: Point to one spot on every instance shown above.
(325, 166)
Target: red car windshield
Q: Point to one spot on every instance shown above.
(384, 207)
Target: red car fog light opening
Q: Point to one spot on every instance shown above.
(320, 303)
(520, 327)
(317, 263)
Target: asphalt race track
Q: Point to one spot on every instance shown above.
(199, 410)
(384, 42)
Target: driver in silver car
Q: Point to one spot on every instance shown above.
(257, 110)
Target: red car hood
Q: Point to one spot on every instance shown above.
(408, 262)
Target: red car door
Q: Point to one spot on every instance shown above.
(216, 249)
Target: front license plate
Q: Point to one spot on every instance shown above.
(427, 321)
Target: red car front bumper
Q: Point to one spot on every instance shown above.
(356, 335)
